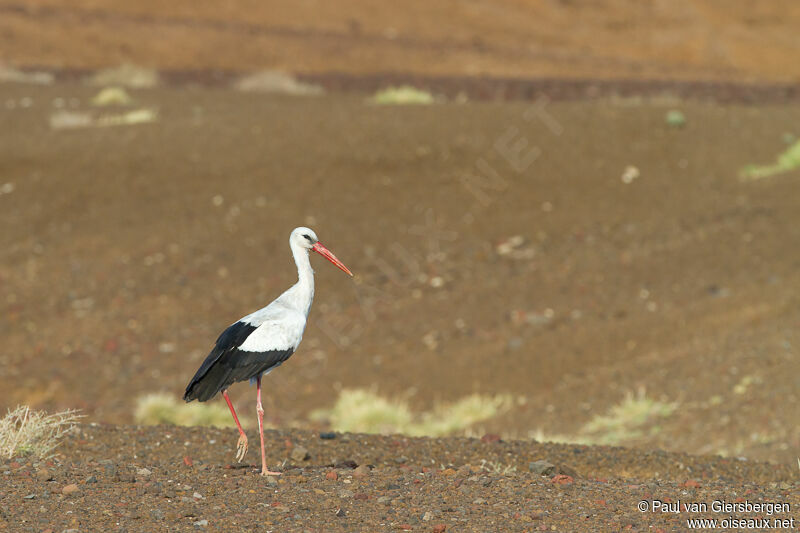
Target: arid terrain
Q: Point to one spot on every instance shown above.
(572, 226)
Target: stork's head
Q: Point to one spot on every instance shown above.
(306, 239)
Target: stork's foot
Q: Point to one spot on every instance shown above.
(265, 472)
(241, 448)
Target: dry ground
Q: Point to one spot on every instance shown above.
(179, 479)
(127, 249)
(666, 39)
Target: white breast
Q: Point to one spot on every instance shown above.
(279, 328)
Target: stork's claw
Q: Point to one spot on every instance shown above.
(241, 448)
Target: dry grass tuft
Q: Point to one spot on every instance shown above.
(628, 420)
(363, 411)
(163, 408)
(126, 75)
(27, 432)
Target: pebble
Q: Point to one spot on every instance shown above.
(439, 528)
(361, 472)
(344, 493)
(384, 499)
(70, 489)
(332, 475)
(300, 454)
(157, 514)
(44, 475)
(428, 516)
(201, 523)
(328, 435)
(91, 479)
(340, 513)
(543, 468)
(198, 496)
(143, 472)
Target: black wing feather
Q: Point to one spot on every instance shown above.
(227, 364)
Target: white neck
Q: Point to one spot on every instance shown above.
(304, 288)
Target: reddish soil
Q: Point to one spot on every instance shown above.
(179, 479)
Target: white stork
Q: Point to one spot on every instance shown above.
(263, 340)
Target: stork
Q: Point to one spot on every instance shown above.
(255, 345)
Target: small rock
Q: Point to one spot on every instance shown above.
(70, 489)
(561, 479)
(332, 475)
(143, 472)
(543, 468)
(384, 499)
(479, 501)
(340, 513)
(439, 528)
(299, 454)
(157, 514)
(29, 497)
(427, 517)
(631, 173)
(110, 470)
(91, 479)
(361, 472)
(464, 470)
(198, 496)
(327, 435)
(491, 437)
(44, 475)
(344, 493)
(188, 461)
(201, 523)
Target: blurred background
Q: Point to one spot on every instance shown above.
(571, 221)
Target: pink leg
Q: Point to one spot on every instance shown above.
(241, 446)
(260, 409)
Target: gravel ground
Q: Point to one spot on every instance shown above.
(108, 478)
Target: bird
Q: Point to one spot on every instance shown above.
(258, 343)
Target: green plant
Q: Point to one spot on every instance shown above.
(402, 95)
(788, 160)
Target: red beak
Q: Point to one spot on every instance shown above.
(327, 254)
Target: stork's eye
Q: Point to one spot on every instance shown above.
(308, 237)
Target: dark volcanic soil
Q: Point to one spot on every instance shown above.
(109, 478)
